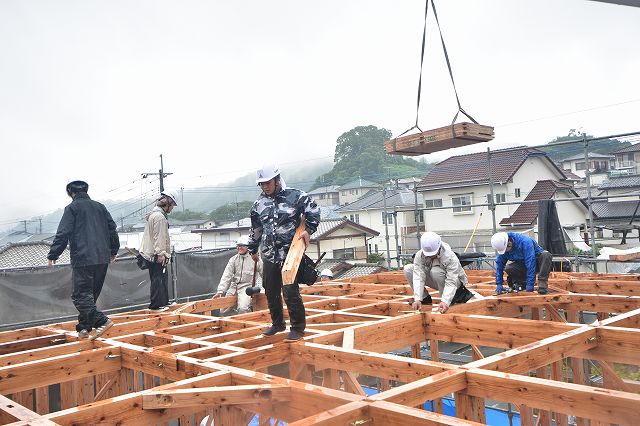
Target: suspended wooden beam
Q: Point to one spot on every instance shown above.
(440, 139)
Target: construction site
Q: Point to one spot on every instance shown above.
(534, 352)
(564, 354)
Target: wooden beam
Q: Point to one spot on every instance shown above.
(600, 404)
(216, 396)
(296, 250)
(425, 389)
(58, 369)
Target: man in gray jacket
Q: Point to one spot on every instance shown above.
(156, 248)
(238, 276)
(436, 266)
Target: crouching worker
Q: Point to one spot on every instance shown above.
(526, 259)
(238, 276)
(436, 266)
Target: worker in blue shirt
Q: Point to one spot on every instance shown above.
(526, 259)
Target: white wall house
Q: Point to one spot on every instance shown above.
(599, 166)
(326, 196)
(462, 184)
(627, 160)
(223, 236)
(341, 239)
(351, 191)
(369, 211)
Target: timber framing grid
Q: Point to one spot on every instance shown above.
(179, 366)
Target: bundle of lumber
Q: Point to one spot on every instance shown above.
(455, 136)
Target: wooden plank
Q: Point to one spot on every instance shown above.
(216, 396)
(32, 343)
(385, 413)
(541, 353)
(364, 362)
(624, 257)
(470, 408)
(58, 369)
(351, 384)
(294, 256)
(425, 389)
(42, 400)
(353, 413)
(430, 141)
(600, 404)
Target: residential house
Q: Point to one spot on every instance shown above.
(599, 166)
(627, 160)
(351, 191)
(627, 186)
(344, 270)
(572, 214)
(461, 183)
(326, 196)
(28, 255)
(223, 236)
(341, 239)
(400, 227)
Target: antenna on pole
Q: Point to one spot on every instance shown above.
(161, 173)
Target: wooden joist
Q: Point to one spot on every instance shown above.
(183, 364)
(442, 138)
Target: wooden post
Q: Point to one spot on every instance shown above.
(296, 250)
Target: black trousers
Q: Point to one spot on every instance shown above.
(159, 282)
(87, 285)
(517, 271)
(272, 283)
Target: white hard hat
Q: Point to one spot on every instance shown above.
(243, 241)
(171, 196)
(267, 172)
(326, 273)
(499, 242)
(430, 243)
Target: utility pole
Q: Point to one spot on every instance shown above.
(161, 173)
(40, 220)
(25, 226)
(182, 195)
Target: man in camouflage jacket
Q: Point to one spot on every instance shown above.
(275, 215)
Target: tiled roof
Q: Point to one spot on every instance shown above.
(571, 176)
(590, 155)
(471, 169)
(324, 190)
(244, 223)
(329, 212)
(359, 270)
(373, 200)
(359, 183)
(621, 182)
(630, 148)
(28, 255)
(615, 210)
(326, 227)
(543, 190)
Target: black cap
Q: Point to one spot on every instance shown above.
(77, 186)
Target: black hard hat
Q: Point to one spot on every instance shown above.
(77, 186)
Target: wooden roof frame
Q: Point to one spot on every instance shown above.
(186, 364)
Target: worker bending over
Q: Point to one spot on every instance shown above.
(526, 259)
(437, 266)
(238, 276)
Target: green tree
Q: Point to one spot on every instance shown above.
(559, 152)
(188, 215)
(360, 152)
(231, 211)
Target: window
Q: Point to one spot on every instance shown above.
(436, 202)
(345, 253)
(461, 203)
(581, 165)
(344, 193)
(376, 248)
(389, 219)
(419, 216)
(501, 198)
(517, 192)
(355, 218)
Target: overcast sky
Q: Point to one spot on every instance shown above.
(96, 90)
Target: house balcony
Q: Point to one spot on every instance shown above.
(625, 165)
